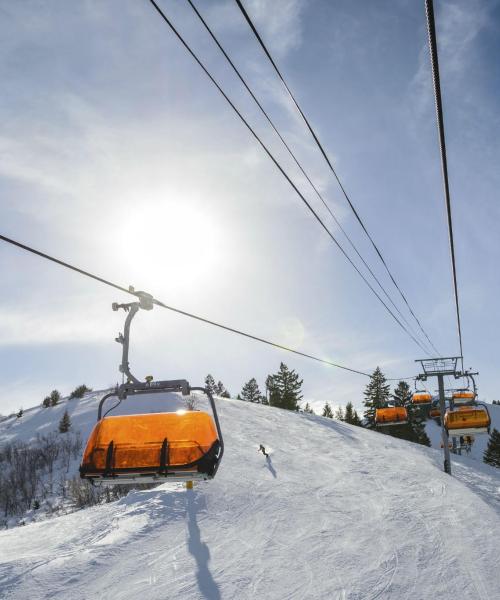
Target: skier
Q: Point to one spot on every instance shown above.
(263, 450)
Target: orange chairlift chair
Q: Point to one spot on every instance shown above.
(435, 411)
(391, 415)
(467, 420)
(421, 398)
(461, 397)
(185, 445)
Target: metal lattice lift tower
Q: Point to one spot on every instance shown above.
(440, 368)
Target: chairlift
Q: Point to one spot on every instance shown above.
(461, 397)
(391, 415)
(435, 410)
(467, 420)
(185, 445)
(420, 398)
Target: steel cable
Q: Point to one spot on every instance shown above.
(279, 167)
(332, 169)
(431, 30)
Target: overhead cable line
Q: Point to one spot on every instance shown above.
(332, 169)
(281, 170)
(431, 30)
(176, 310)
(295, 159)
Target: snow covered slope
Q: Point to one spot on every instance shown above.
(481, 441)
(336, 512)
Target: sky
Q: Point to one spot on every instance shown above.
(118, 155)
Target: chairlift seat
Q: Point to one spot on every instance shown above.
(391, 415)
(463, 397)
(467, 420)
(149, 447)
(421, 398)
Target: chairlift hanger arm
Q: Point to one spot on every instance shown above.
(146, 302)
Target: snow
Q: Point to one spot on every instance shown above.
(335, 512)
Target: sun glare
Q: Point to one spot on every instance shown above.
(182, 243)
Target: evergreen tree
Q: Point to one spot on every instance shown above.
(46, 402)
(376, 396)
(210, 384)
(402, 394)
(225, 394)
(79, 392)
(271, 393)
(284, 388)
(416, 421)
(339, 414)
(55, 397)
(351, 416)
(491, 455)
(250, 391)
(220, 390)
(64, 423)
(307, 409)
(327, 411)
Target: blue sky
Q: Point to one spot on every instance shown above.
(118, 155)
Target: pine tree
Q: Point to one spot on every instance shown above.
(307, 409)
(351, 416)
(250, 391)
(64, 423)
(339, 414)
(327, 411)
(285, 387)
(416, 421)
(376, 396)
(210, 384)
(79, 392)
(402, 394)
(271, 394)
(491, 455)
(46, 402)
(220, 390)
(55, 397)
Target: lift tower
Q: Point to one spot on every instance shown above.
(440, 368)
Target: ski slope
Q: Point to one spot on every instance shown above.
(335, 512)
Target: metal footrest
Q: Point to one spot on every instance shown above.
(129, 479)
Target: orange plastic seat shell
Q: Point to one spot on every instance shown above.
(138, 439)
(463, 395)
(465, 416)
(391, 414)
(422, 398)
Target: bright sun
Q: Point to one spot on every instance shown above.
(180, 243)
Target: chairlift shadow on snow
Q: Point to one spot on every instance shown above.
(200, 551)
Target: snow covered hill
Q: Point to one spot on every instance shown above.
(335, 512)
(481, 441)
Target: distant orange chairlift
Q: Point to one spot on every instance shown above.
(185, 445)
(421, 398)
(391, 415)
(461, 397)
(435, 411)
